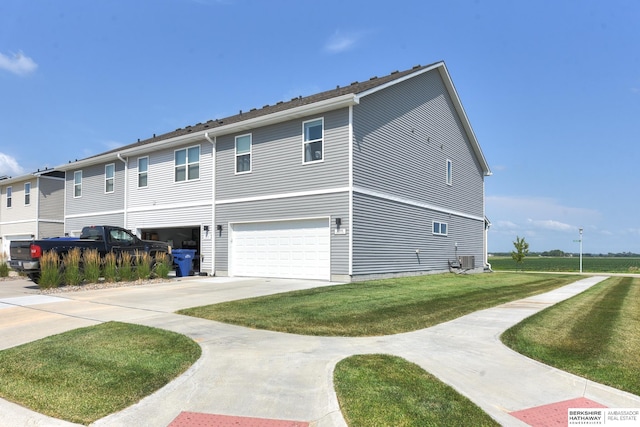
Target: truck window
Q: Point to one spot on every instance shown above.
(121, 237)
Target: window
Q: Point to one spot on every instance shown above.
(9, 196)
(312, 140)
(243, 153)
(449, 172)
(143, 171)
(77, 184)
(440, 228)
(187, 163)
(109, 177)
(27, 193)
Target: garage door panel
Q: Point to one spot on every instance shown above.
(288, 249)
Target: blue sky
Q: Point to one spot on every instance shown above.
(552, 88)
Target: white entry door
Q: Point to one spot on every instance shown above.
(297, 249)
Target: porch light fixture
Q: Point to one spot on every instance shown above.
(338, 222)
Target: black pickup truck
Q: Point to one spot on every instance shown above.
(25, 254)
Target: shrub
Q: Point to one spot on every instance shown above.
(143, 265)
(126, 270)
(162, 267)
(110, 267)
(71, 262)
(50, 274)
(4, 267)
(92, 263)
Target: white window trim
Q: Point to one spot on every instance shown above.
(113, 178)
(9, 194)
(250, 153)
(439, 233)
(76, 184)
(27, 193)
(449, 172)
(186, 165)
(146, 172)
(304, 142)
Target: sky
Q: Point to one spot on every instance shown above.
(551, 88)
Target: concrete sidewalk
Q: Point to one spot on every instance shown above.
(261, 374)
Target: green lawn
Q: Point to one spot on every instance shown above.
(88, 373)
(595, 334)
(380, 307)
(382, 390)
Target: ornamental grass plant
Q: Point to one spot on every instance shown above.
(125, 269)
(50, 274)
(143, 265)
(110, 268)
(71, 262)
(162, 266)
(4, 267)
(92, 264)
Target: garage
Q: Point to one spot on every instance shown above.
(177, 238)
(6, 242)
(296, 249)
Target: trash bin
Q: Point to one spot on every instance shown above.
(184, 260)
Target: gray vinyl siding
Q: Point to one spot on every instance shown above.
(162, 188)
(18, 210)
(277, 163)
(50, 229)
(51, 193)
(386, 235)
(94, 199)
(403, 136)
(326, 205)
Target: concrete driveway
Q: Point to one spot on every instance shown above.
(252, 373)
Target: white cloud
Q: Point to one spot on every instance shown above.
(549, 224)
(339, 42)
(9, 166)
(18, 64)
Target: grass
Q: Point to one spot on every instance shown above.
(595, 334)
(568, 264)
(50, 274)
(381, 390)
(381, 307)
(88, 373)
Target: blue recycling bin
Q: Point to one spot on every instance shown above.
(184, 260)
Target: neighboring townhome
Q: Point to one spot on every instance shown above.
(378, 178)
(31, 206)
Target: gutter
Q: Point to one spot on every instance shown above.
(212, 227)
(126, 182)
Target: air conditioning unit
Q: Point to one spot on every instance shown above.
(468, 261)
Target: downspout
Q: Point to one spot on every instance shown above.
(37, 206)
(212, 227)
(126, 186)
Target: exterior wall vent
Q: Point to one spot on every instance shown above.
(468, 261)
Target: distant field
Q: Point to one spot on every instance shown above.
(568, 264)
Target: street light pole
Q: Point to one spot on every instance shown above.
(580, 229)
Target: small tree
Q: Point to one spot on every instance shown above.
(522, 250)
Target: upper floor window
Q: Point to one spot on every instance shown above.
(312, 140)
(27, 193)
(243, 153)
(143, 171)
(77, 184)
(187, 164)
(109, 177)
(440, 228)
(449, 172)
(9, 196)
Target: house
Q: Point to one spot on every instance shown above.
(377, 178)
(31, 206)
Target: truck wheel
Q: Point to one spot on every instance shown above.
(35, 278)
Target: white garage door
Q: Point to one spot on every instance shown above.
(297, 249)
